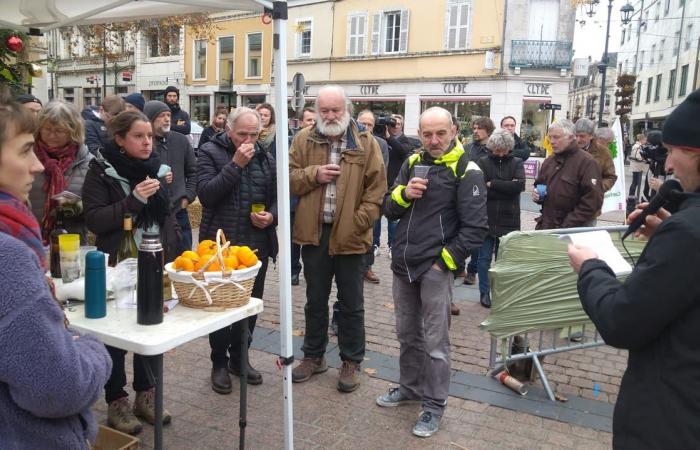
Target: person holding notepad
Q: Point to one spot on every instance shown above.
(655, 312)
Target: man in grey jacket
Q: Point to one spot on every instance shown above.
(176, 151)
(439, 199)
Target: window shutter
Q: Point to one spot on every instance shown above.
(463, 21)
(376, 32)
(403, 35)
(352, 24)
(361, 34)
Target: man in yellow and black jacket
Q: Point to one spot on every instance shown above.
(439, 199)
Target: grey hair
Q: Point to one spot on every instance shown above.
(605, 134)
(240, 112)
(338, 89)
(366, 111)
(501, 139)
(584, 125)
(63, 114)
(442, 111)
(565, 125)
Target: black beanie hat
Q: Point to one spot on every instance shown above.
(172, 89)
(154, 108)
(681, 126)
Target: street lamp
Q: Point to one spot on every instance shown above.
(626, 16)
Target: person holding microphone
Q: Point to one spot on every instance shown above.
(655, 312)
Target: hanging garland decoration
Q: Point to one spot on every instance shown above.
(12, 43)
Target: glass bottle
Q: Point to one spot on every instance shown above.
(55, 254)
(127, 246)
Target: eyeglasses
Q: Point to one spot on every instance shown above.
(54, 131)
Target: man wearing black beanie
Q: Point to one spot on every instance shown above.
(180, 119)
(655, 312)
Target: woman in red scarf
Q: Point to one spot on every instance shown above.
(60, 137)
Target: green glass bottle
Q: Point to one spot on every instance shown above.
(127, 246)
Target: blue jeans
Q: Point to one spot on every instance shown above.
(377, 232)
(183, 219)
(391, 231)
(486, 252)
(473, 258)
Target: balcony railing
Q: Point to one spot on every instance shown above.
(541, 54)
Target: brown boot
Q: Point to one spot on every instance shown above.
(371, 277)
(470, 278)
(307, 368)
(121, 418)
(349, 379)
(145, 407)
(454, 310)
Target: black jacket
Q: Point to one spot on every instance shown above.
(476, 151)
(95, 134)
(207, 135)
(179, 119)
(399, 149)
(655, 314)
(227, 193)
(446, 223)
(521, 149)
(176, 151)
(105, 204)
(507, 178)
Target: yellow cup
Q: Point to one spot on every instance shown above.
(69, 242)
(69, 249)
(257, 207)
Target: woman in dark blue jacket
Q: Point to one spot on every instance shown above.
(505, 180)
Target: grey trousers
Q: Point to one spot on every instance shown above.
(422, 311)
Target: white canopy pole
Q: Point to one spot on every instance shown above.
(283, 228)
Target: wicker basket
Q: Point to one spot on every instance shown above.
(214, 290)
(194, 210)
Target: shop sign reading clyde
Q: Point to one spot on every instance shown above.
(539, 89)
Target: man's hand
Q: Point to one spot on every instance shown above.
(651, 223)
(415, 188)
(168, 177)
(184, 203)
(326, 174)
(655, 183)
(243, 155)
(147, 187)
(579, 255)
(261, 220)
(535, 196)
(437, 267)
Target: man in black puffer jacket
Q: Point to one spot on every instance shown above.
(180, 120)
(233, 174)
(504, 175)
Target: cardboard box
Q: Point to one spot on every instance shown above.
(111, 439)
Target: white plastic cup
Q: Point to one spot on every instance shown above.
(83, 251)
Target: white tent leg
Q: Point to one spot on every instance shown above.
(284, 238)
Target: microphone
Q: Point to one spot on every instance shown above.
(666, 192)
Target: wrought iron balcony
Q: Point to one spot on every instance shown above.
(541, 54)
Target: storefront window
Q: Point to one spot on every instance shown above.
(533, 125)
(464, 110)
(378, 107)
(252, 100)
(199, 109)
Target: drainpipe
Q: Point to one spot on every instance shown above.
(678, 53)
(503, 39)
(697, 66)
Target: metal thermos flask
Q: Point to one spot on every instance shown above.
(95, 285)
(149, 287)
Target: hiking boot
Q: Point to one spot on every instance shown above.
(485, 300)
(145, 407)
(371, 277)
(121, 417)
(470, 278)
(349, 378)
(220, 381)
(454, 309)
(427, 425)
(254, 377)
(395, 398)
(307, 368)
(295, 279)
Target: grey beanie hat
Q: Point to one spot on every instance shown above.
(153, 108)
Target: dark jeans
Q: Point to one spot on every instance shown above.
(473, 261)
(636, 184)
(296, 250)
(319, 270)
(391, 231)
(183, 219)
(114, 389)
(229, 338)
(488, 248)
(377, 233)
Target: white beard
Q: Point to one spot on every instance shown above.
(333, 129)
(165, 129)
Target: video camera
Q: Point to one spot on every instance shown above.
(383, 120)
(655, 153)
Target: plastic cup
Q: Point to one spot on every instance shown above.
(83, 251)
(421, 171)
(69, 249)
(257, 207)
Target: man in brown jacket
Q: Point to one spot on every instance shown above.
(338, 174)
(585, 138)
(572, 182)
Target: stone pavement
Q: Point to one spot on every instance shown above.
(325, 418)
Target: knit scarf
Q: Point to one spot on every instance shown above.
(136, 170)
(56, 162)
(18, 221)
(267, 135)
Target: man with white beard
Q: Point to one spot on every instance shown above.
(176, 151)
(337, 172)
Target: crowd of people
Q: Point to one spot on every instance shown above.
(446, 206)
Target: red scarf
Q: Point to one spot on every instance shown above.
(56, 162)
(18, 221)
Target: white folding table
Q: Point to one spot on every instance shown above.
(180, 325)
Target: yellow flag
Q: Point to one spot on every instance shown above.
(546, 145)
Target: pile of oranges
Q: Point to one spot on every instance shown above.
(235, 258)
